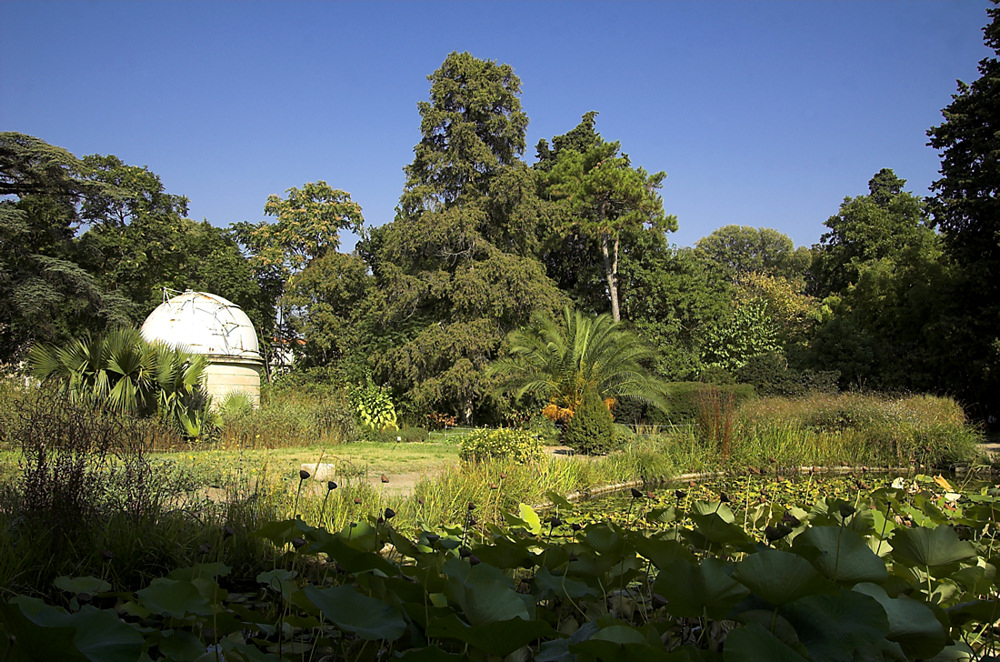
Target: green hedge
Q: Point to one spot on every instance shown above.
(413, 434)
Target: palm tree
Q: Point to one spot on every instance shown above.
(560, 362)
(125, 373)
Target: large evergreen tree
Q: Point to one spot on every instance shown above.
(45, 295)
(455, 270)
(966, 207)
(880, 225)
(602, 200)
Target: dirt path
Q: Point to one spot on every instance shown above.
(399, 483)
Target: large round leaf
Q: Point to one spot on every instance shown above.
(838, 626)
(350, 611)
(779, 577)
(696, 590)
(844, 555)
(930, 547)
(912, 624)
(752, 643)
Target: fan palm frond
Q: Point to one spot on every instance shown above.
(559, 362)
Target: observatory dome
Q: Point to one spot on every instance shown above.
(203, 323)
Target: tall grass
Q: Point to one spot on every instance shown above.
(493, 487)
(854, 429)
(85, 500)
(288, 418)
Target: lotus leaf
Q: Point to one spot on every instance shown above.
(693, 591)
(835, 626)
(90, 585)
(562, 586)
(604, 538)
(496, 637)
(779, 577)
(53, 634)
(935, 547)
(359, 614)
(181, 645)
(661, 551)
(976, 611)
(844, 555)
(912, 624)
(752, 643)
(175, 598)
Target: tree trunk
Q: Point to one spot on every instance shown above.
(609, 248)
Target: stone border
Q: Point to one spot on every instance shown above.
(606, 489)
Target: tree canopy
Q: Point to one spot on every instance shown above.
(484, 250)
(738, 250)
(966, 208)
(600, 196)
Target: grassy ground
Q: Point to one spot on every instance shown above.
(208, 498)
(403, 463)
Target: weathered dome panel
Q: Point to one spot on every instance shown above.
(203, 323)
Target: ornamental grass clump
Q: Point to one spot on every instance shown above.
(854, 428)
(288, 418)
(502, 444)
(83, 483)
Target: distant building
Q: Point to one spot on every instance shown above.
(203, 323)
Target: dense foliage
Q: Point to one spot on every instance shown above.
(900, 294)
(591, 429)
(884, 575)
(126, 374)
(502, 444)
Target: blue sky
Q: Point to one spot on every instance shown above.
(761, 113)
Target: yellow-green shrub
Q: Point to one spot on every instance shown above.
(504, 443)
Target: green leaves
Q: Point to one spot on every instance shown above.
(49, 633)
(600, 592)
(560, 361)
(843, 555)
(912, 624)
(696, 590)
(355, 613)
(374, 406)
(935, 547)
(124, 372)
(779, 577)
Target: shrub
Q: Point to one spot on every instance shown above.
(381, 436)
(769, 374)
(503, 443)
(374, 406)
(411, 434)
(591, 430)
(544, 428)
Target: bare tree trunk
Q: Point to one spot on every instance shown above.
(609, 248)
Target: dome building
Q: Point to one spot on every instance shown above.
(203, 323)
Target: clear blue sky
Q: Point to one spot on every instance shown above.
(761, 113)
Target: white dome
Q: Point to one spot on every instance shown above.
(203, 323)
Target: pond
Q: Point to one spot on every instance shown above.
(756, 500)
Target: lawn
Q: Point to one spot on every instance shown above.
(402, 463)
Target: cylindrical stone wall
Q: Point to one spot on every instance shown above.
(225, 375)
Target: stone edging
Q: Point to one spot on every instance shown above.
(605, 489)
